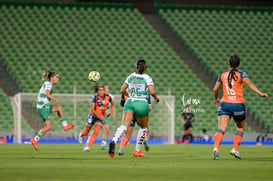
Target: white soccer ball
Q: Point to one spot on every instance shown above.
(94, 76)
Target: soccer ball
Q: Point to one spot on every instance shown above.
(94, 76)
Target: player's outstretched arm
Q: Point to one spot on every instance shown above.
(52, 98)
(254, 88)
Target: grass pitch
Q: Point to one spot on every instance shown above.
(162, 162)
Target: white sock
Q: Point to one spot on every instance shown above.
(119, 133)
(38, 136)
(103, 143)
(64, 122)
(140, 138)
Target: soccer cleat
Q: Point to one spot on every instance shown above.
(146, 146)
(34, 143)
(121, 152)
(111, 151)
(86, 149)
(138, 153)
(80, 138)
(236, 154)
(68, 127)
(215, 154)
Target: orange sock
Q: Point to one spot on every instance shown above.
(237, 140)
(124, 141)
(94, 135)
(85, 131)
(218, 138)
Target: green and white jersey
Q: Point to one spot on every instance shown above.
(138, 86)
(42, 98)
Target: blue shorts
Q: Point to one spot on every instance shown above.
(235, 110)
(92, 119)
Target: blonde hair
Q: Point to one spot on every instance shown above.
(47, 74)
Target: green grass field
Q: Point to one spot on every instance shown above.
(162, 162)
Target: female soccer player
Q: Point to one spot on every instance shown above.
(44, 108)
(138, 84)
(232, 104)
(128, 134)
(188, 118)
(97, 115)
(106, 124)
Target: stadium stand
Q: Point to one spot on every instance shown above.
(244, 31)
(6, 115)
(74, 39)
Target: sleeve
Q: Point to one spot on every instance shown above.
(48, 86)
(127, 80)
(110, 99)
(149, 98)
(244, 75)
(122, 100)
(93, 99)
(219, 79)
(149, 80)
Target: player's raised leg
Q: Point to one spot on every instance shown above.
(59, 111)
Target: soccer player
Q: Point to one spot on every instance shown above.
(44, 108)
(188, 118)
(97, 115)
(106, 124)
(232, 104)
(128, 134)
(138, 84)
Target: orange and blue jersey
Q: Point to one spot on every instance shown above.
(234, 94)
(101, 104)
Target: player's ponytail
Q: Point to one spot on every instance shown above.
(141, 66)
(47, 75)
(234, 62)
(96, 88)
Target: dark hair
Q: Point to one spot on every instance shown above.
(96, 87)
(141, 66)
(234, 62)
(47, 75)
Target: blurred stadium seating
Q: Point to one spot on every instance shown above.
(215, 33)
(74, 39)
(6, 115)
